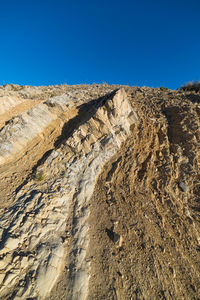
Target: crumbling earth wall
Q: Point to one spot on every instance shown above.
(100, 190)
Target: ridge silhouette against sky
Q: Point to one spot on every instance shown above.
(152, 43)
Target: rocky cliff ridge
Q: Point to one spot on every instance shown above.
(100, 190)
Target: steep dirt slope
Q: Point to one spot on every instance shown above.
(100, 191)
(147, 200)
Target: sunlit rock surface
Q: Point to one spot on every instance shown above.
(99, 193)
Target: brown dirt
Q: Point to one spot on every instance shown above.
(138, 197)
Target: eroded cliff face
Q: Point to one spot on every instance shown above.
(100, 190)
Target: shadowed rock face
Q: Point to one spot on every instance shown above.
(99, 193)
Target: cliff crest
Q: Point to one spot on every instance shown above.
(100, 191)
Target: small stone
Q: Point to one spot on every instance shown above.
(183, 187)
(12, 243)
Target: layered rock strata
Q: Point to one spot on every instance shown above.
(34, 241)
(99, 193)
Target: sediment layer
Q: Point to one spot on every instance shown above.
(99, 193)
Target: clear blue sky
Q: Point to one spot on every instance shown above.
(152, 43)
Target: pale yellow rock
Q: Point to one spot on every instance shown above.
(2, 276)
(9, 279)
(8, 102)
(3, 264)
(11, 243)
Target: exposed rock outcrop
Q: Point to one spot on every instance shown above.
(99, 193)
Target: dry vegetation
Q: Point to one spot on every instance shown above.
(191, 87)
